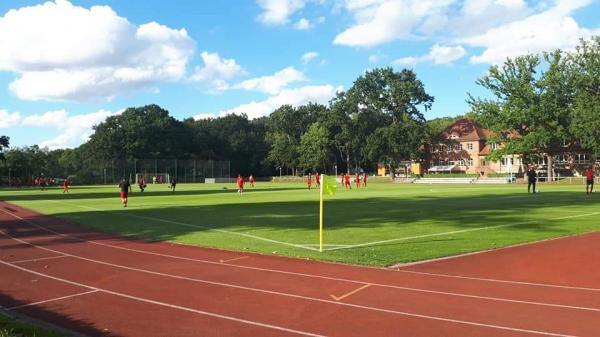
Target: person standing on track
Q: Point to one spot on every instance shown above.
(125, 187)
(532, 179)
(589, 180)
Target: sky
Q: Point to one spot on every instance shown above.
(66, 66)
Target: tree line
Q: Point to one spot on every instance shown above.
(537, 105)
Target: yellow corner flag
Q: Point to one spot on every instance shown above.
(328, 186)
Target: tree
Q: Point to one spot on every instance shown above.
(144, 132)
(393, 102)
(585, 70)
(531, 108)
(314, 148)
(4, 142)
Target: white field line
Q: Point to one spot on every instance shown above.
(271, 292)
(373, 243)
(39, 259)
(350, 280)
(173, 306)
(256, 237)
(545, 285)
(52, 300)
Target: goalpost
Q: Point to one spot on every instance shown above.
(153, 178)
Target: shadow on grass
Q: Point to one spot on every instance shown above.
(51, 194)
(459, 212)
(57, 323)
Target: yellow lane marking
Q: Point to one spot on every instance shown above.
(350, 293)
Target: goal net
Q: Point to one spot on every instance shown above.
(153, 178)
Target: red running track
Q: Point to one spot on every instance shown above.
(103, 285)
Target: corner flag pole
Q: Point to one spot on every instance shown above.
(321, 216)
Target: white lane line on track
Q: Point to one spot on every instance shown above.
(437, 318)
(173, 306)
(39, 259)
(256, 237)
(349, 280)
(52, 300)
(373, 243)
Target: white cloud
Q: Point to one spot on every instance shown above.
(272, 84)
(382, 21)
(216, 71)
(216, 67)
(73, 130)
(295, 97)
(65, 52)
(437, 54)
(303, 24)
(309, 56)
(278, 12)
(9, 119)
(551, 29)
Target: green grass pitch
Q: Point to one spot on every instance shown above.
(381, 225)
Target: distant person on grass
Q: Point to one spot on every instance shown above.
(66, 186)
(251, 180)
(357, 180)
(240, 184)
(317, 179)
(125, 187)
(365, 180)
(173, 184)
(532, 179)
(309, 182)
(142, 184)
(589, 180)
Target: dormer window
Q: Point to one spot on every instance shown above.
(494, 146)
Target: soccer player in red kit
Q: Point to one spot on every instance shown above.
(357, 180)
(251, 180)
(318, 179)
(66, 186)
(347, 179)
(309, 181)
(589, 183)
(365, 180)
(240, 184)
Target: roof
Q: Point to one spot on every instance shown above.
(466, 130)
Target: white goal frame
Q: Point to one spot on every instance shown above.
(161, 178)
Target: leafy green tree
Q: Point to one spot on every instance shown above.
(531, 106)
(393, 102)
(4, 144)
(144, 132)
(314, 148)
(585, 71)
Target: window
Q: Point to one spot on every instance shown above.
(449, 148)
(482, 162)
(461, 163)
(459, 147)
(494, 146)
(469, 162)
(583, 159)
(561, 159)
(470, 146)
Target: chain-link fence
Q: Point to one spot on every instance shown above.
(95, 172)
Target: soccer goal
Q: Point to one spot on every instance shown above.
(153, 178)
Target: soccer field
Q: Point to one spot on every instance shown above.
(381, 225)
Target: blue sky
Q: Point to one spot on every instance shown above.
(65, 66)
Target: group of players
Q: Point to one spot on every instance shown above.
(532, 178)
(125, 187)
(359, 180)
